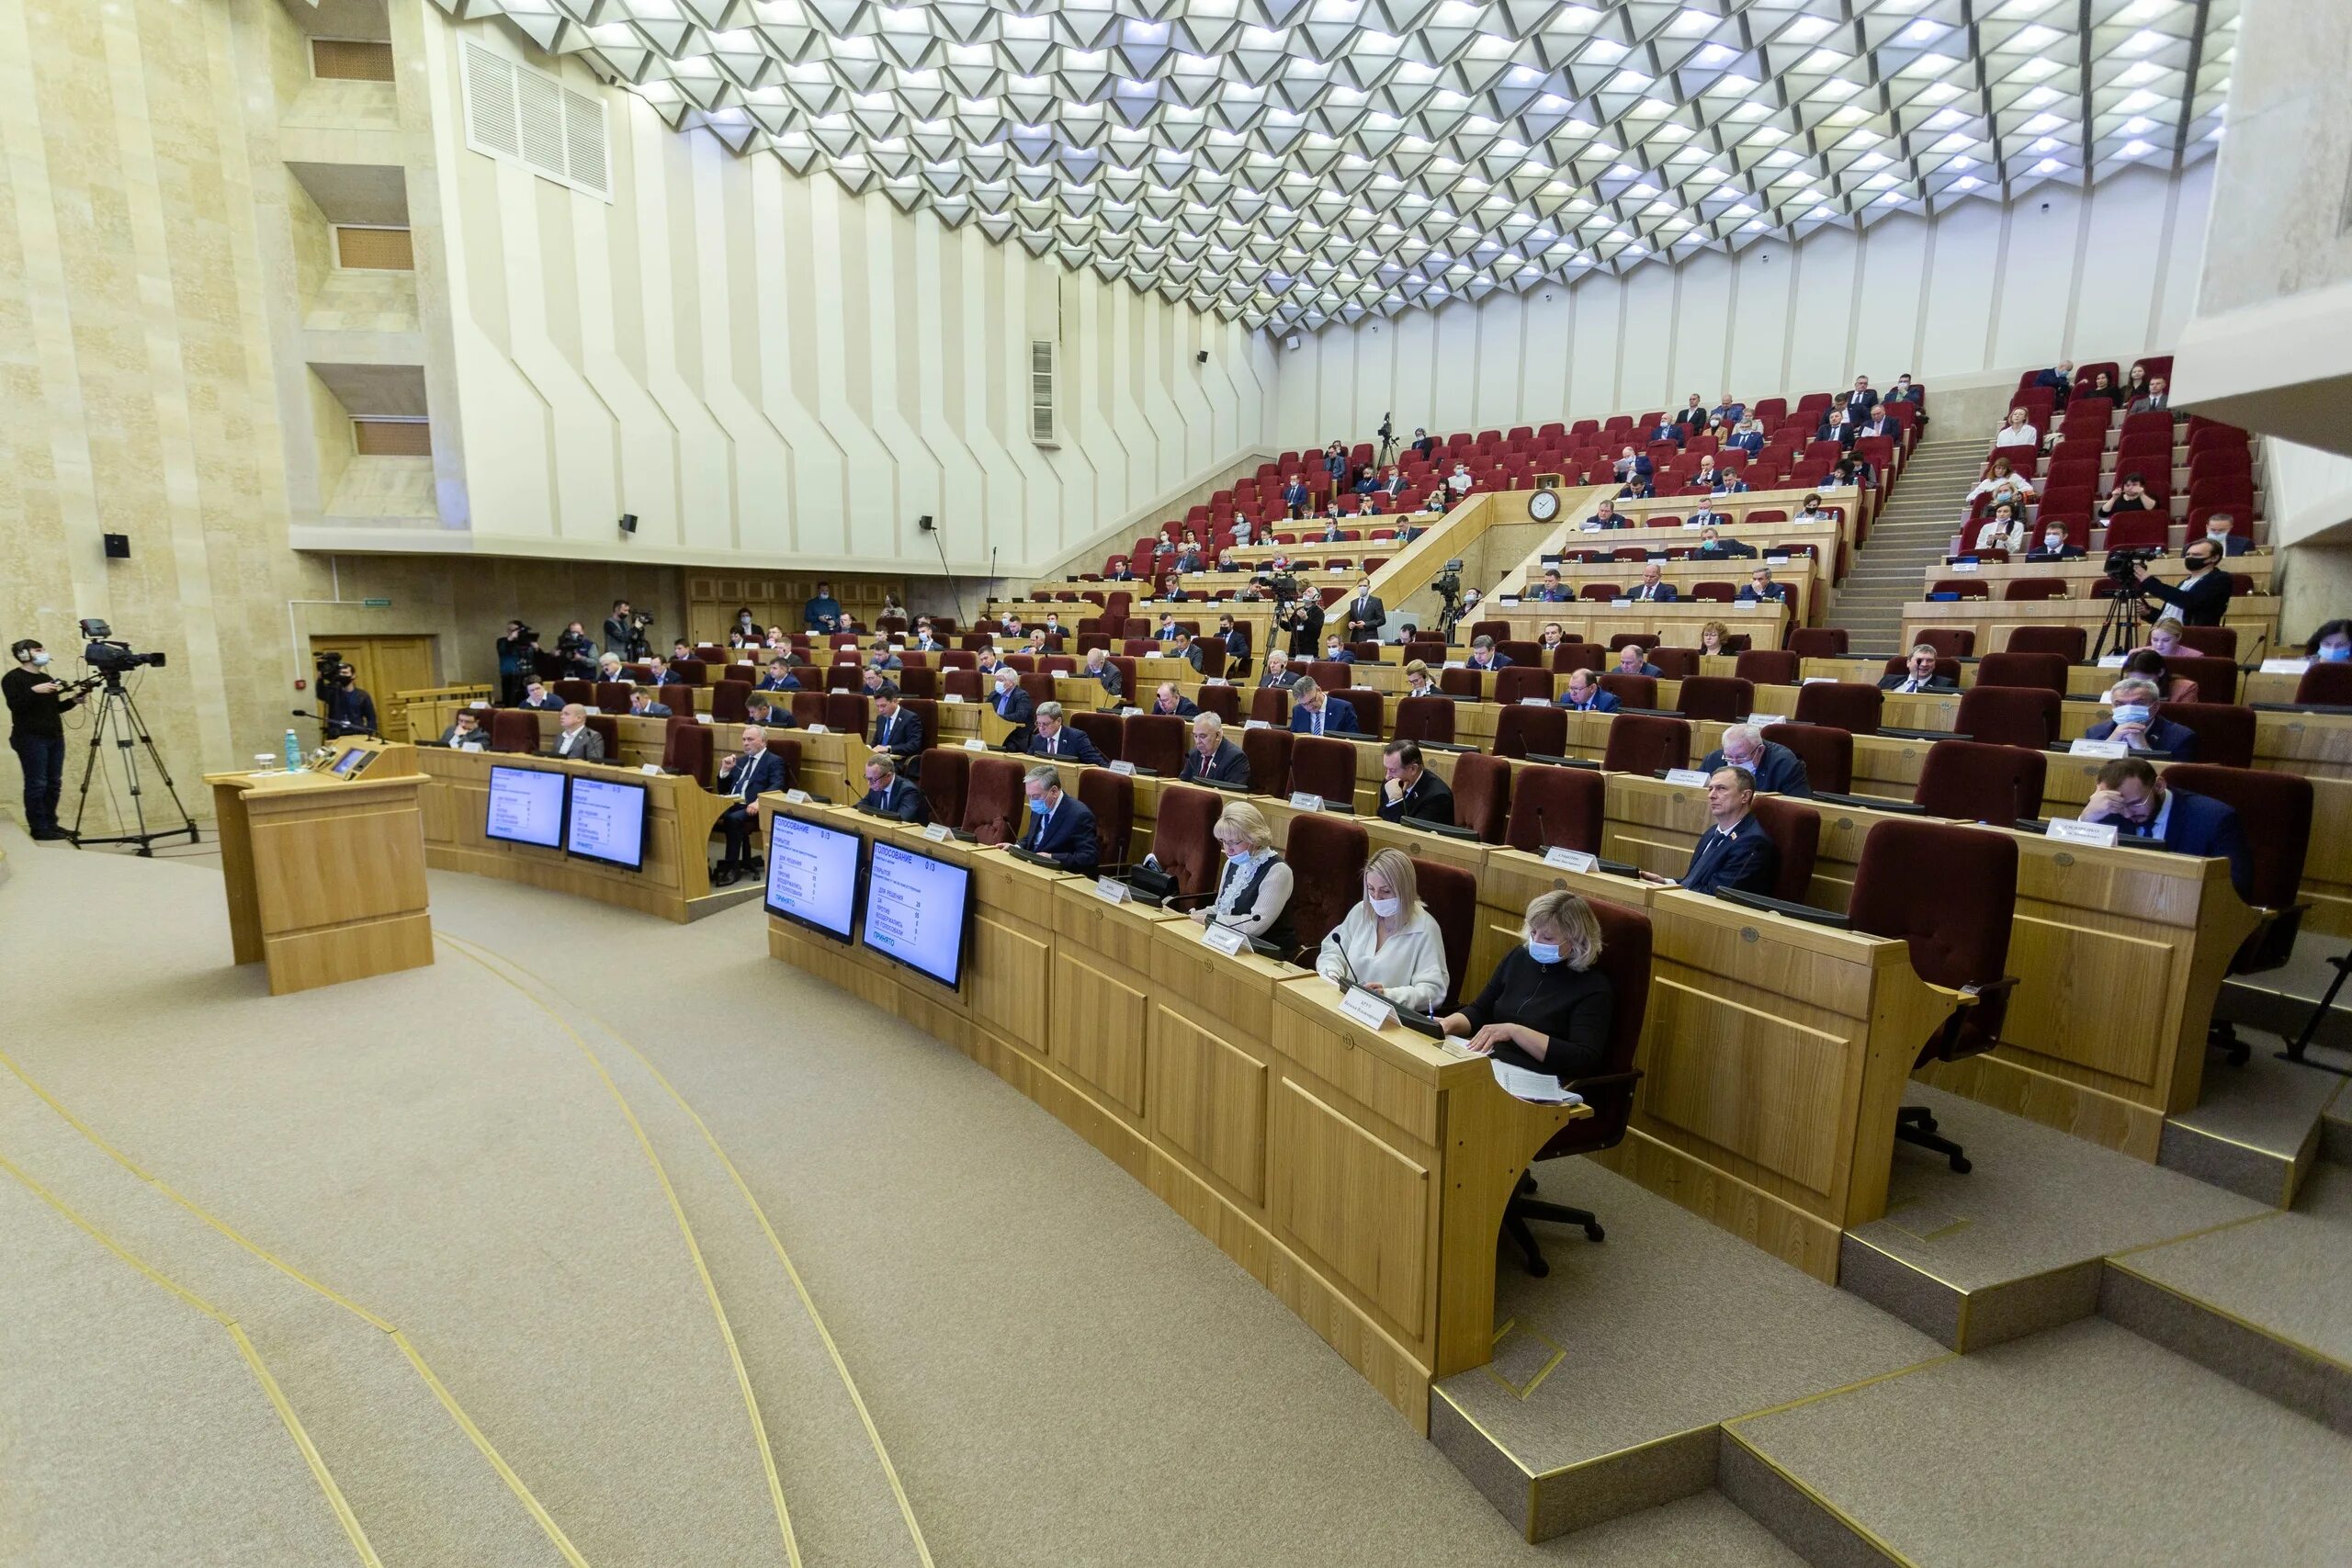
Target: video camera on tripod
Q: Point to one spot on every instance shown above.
(112, 659)
(1448, 586)
(115, 726)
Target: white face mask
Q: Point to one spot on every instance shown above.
(1543, 952)
(1386, 908)
(40, 658)
(2130, 713)
(2053, 541)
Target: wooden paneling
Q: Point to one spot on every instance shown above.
(373, 249)
(351, 60)
(1208, 1099)
(1100, 1022)
(1359, 1205)
(1753, 1083)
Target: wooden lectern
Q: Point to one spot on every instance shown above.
(325, 867)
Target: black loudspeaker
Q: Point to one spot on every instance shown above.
(924, 523)
(117, 546)
(1202, 357)
(629, 522)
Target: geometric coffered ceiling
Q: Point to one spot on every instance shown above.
(1302, 162)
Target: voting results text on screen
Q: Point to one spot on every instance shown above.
(812, 874)
(607, 822)
(915, 911)
(526, 807)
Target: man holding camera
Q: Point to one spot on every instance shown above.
(2202, 597)
(624, 631)
(37, 731)
(515, 661)
(347, 708)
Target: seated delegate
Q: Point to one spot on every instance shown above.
(1253, 891)
(1052, 737)
(2138, 725)
(743, 779)
(1775, 768)
(1061, 828)
(1734, 851)
(2133, 796)
(1409, 791)
(1315, 712)
(887, 794)
(1212, 756)
(1388, 943)
(1545, 1006)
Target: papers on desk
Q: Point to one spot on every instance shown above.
(1537, 1088)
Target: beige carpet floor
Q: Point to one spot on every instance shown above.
(2289, 1274)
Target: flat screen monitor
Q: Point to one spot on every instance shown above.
(813, 875)
(351, 762)
(526, 807)
(917, 912)
(607, 822)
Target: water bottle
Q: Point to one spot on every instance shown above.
(293, 753)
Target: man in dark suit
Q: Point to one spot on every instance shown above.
(1553, 590)
(1918, 674)
(1483, 655)
(1365, 614)
(1630, 464)
(1295, 497)
(758, 710)
(538, 699)
(573, 739)
(1099, 669)
(1734, 851)
(1761, 587)
(466, 732)
(2203, 596)
(642, 705)
(621, 634)
(1315, 712)
(1169, 699)
(1278, 672)
(1633, 660)
(1213, 757)
(898, 732)
(743, 779)
(1013, 706)
(1060, 828)
(779, 677)
(1775, 768)
(1410, 792)
(1861, 400)
(1604, 517)
(1714, 547)
(2133, 796)
(1183, 649)
(887, 794)
(2055, 545)
(2060, 380)
(2220, 531)
(1584, 693)
(1053, 737)
(1236, 646)
(1693, 417)
(1878, 424)
(2138, 725)
(1654, 588)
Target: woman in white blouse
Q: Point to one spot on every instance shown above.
(1389, 943)
(2017, 431)
(2004, 530)
(1253, 892)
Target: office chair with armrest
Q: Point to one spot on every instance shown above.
(1427, 719)
(1269, 754)
(1826, 752)
(1643, 743)
(992, 799)
(515, 729)
(1626, 960)
(687, 750)
(946, 776)
(2275, 813)
(1326, 856)
(1450, 893)
(1107, 731)
(1112, 798)
(1977, 781)
(1324, 766)
(1794, 828)
(2224, 732)
(1525, 731)
(1722, 699)
(1481, 794)
(2009, 716)
(1183, 840)
(1557, 807)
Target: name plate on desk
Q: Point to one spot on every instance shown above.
(1571, 859)
(1111, 890)
(2269, 667)
(1456, 664)
(1216, 681)
(798, 796)
(1301, 800)
(642, 767)
(817, 729)
(1124, 766)
(1760, 719)
(1506, 603)
(2085, 746)
(1225, 939)
(1965, 566)
(591, 708)
(2071, 831)
(1690, 777)
(1621, 603)
(953, 697)
(938, 832)
(1820, 680)
(2112, 661)
(702, 718)
(976, 745)
(477, 704)
(1535, 702)
(1257, 724)
(1367, 1008)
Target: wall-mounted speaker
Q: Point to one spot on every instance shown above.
(629, 522)
(1202, 357)
(925, 524)
(117, 546)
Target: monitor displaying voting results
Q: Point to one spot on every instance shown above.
(526, 808)
(812, 874)
(607, 823)
(917, 910)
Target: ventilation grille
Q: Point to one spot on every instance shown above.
(351, 60)
(386, 437)
(529, 118)
(381, 250)
(1041, 393)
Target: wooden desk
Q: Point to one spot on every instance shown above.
(1677, 624)
(1994, 619)
(2080, 576)
(325, 875)
(674, 883)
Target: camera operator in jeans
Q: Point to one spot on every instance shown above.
(37, 731)
(2203, 596)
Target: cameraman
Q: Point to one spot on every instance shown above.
(37, 731)
(579, 655)
(349, 710)
(515, 661)
(624, 632)
(2203, 596)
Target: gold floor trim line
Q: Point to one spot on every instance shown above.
(260, 1369)
(474, 1434)
(482, 955)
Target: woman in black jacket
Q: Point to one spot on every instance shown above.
(1546, 1007)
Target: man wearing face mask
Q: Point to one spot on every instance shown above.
(2137, 724)
(2218, 533)
(2133, 796)
(1014, 706)
(1775, 768)
(349, 709)
(2202, 597)
(2054, 545)
(37, 731)
(1365, 614)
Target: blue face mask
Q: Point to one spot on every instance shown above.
(2130, 713)
(1543, 952)
(2333, 653)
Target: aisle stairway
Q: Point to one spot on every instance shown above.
(1910, 535)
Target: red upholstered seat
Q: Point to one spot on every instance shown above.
(2036, 588)
(1827, 752)
(1627, 639)
(1157, 740)
(2224, 731)
(1643, 743)
(2045, 671)
(611, 695)
(686, 749)
(1183, 837)
(608, 727)
(1112, 798)
(1371, 708)
(1976, 781)
(1481, 795)
(1850, 706)
(2275, 811)
(1223, 701)
(1427, 719)
(1521, 681)
(1107, 731)
(1525, 731)
(1950, 642)
(1632, 691)
(845, 712)
(917, 681)
(1796, 828)
(580, 691)
(2009, 716)
(1818, 642)
(946, 773)
(1675, 663)
(2322, 685)
(1269, 754)
(513, 729)
(1326, 855)
(1460, 682)
(1721, 698)
(2221, 642)
(1450, 893)
(992, 799)
(1767, 667)
(1557, 807)
(2067, 642)
(1322, 765)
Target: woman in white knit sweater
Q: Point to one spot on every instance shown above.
(1389, 942)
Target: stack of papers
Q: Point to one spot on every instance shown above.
(1539, 1088)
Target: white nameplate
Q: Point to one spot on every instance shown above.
(745, 664)
(817, 729)
(2087, 747)
(1689, 776)
(2112, 661)
(1129, 712)
(1225, 939)
(1760, 719)
(1571, 859)
(1620, 603)
(1509, 602)
(2269, 667)
(649, 767)
(702, 718)
(1535, 702)
(591, 708)
(938, 832)
(1111, 890)
(1301, 800)
(953, 697)
(1966, 566)
(798, 796)
(976, 745)
(1820, 680)
(1695, 522)
(477, 704)
(476, 745)
(1256, 723)
(1216, 681)
(1454, 664)
(1124, 766)
(2074, 831)
(1367, 1008)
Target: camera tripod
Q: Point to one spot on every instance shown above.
(117, 715)
(2122, 622)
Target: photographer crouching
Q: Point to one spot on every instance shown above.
(2202, 597)
(37, 704)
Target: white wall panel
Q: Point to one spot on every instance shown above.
(1963, 285)
(1758, 329)
(1886, 315)
(1821, 320)
(1592, 370)
(1642, 378)
(1701, 329)
(1502, 357)
(2127, 230)
(1544, 373)
(2037, 274)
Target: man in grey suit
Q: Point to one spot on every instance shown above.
(465, 732)
(1365, 614)
(573, 739)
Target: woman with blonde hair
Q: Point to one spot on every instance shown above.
(1546, 1007)
(1389, 943)
(1253, 891)
(1710, 639)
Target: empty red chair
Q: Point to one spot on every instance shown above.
(1184, 838)
(1632, 691)
(1720, 698)
(1520, 682)
(1321, 765)
(1794, 828)
(1112, 798)
(1643, 743)
(2009, 716)
(2067, 642)
(1828, 754)
(993, 800)
(2036, 588)
(1481, 794)
(2046, 671)
(1269, 753)
(686, 751)
(2322, 685)
(944, 776)
(1974, 781)
(1427, 719)
(1950, 642)
(1157, 741)
(1531, 732)
(1326, 855)
(516, 729)
(1853, 706)
(1107, 731)
(1767, 667)
(1557, 808)
(1675, 663)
